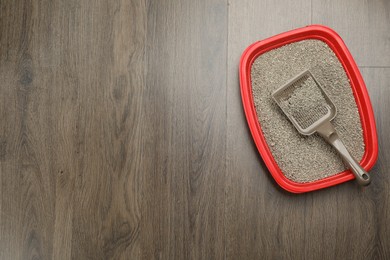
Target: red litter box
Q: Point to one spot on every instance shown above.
(334, 41)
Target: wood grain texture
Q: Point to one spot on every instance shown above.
(363, 25)
(73, 73)
(123, 134)
(185, 111)
(109, 69)
(28, 170)
(377, 81)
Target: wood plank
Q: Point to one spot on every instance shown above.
(28, 163)
(185, 111)
(377, 81)
(106, 58)
(363, 25)
(73, 76)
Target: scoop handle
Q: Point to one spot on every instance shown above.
(327, 131)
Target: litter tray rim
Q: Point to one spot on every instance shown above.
(362, 99)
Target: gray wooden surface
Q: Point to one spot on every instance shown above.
(122, 134)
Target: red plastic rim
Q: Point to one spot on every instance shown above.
(358, 86)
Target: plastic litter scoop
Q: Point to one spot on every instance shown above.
(310, 110)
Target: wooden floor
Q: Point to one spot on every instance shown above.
(122, 134)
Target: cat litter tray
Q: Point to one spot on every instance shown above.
(257, 120)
